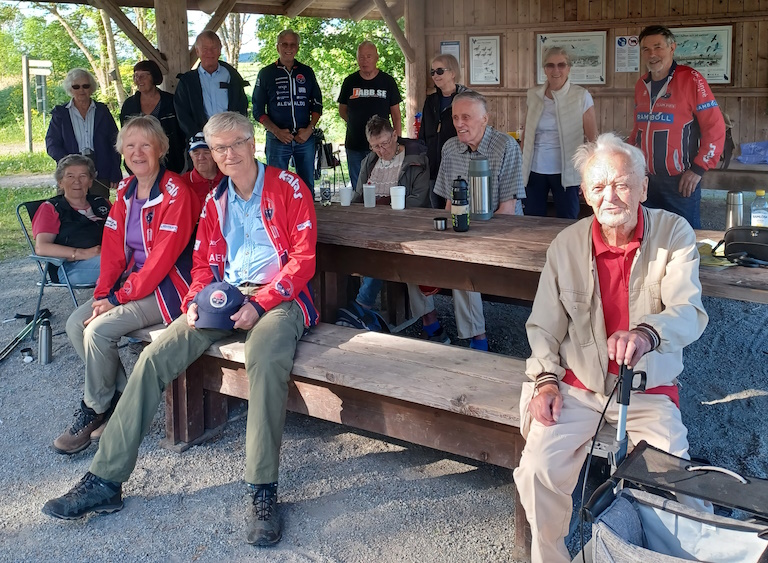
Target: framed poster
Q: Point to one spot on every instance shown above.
(484, 60)
(451, 48)
(627, 53)
(587, 52)
(707, 49)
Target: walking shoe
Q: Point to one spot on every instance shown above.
(263, 519)
(438, 336)
(91, 494)
(357, 316)
(96, 434)
(78, 436)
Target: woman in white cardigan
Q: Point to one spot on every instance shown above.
(560, 116)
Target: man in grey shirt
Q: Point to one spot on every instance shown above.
(474, 135)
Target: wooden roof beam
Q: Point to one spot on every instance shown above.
(395, 30)
(295, 7)
(361, 9)
(225, 7)
(132, 32)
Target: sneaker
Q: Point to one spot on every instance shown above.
(78, 436)
(440, 336)
(357, 316)
(91, 494)
(263, 519)
(96, 434)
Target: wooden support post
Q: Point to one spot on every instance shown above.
(360, 9)
(416, 70)
(214, 24)
(295, 7)
(25, 96)
(171, 18)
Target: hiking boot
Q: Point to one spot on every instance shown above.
(96, 434)
(439, 336)
(78, 436)
(91, 494)
(263, 518)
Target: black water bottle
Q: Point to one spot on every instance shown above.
(460, 205)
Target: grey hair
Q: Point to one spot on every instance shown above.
(609, 143)
(150, 126)
(227, 121)
(472, 96)
(376, 126)
(74, 160)
(367, 43)
(77, 74)
(556, 50)
(450, 63)
(658, 30)
(208, 34)
(288, 31)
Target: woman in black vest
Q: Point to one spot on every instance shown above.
(70, 225)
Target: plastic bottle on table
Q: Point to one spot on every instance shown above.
(759, 210)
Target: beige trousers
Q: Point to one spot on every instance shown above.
(467, 307)
(553, 457)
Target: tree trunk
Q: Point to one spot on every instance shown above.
(113, 64)
(232, 36)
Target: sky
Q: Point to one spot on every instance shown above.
(197, 21)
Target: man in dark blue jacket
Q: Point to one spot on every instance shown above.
(287, 101)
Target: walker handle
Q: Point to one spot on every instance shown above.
(728, 472)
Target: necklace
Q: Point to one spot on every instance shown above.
(393, 161)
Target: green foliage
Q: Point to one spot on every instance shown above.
(49, 40)
(12, 243)
(27, 163)
(329, 46)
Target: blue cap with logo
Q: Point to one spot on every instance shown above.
(216, 303)
(197, 142)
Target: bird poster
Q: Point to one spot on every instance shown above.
(707, 49)
(484, 61)
(586, 50)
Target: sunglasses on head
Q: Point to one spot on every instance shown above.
(560, 66)
(83, 86)
(438, 71)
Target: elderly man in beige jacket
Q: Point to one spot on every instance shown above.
(621, 287)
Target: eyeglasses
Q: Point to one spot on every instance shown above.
(438, 71)
(83, 86)
(551, 66)
(382, 146)
(236, 146)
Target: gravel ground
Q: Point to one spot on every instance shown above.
(347, 496)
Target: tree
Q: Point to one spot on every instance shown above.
(232, 36)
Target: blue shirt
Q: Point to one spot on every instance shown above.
(250, 254)
(83, 128)
(215, 97)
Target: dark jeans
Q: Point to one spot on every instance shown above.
(663, 194)
(537, 191)
(279, 154)
(354, 160)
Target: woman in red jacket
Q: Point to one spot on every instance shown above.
(144, 273)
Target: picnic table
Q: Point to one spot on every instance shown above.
(502, 257)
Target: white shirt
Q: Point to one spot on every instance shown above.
(546, 143)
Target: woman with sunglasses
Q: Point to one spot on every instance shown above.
(85, 126)
(560, 116)
(436, 120)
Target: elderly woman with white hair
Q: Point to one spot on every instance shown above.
(85, 126)
(145, 272)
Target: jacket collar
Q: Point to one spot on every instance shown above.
(154, 193)
(647, 77)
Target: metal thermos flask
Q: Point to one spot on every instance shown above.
(44, 342)
(480, 187)
(734, 210)
(460, 205)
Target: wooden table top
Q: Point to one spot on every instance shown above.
(514, 243)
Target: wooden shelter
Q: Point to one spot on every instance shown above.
(513, 25)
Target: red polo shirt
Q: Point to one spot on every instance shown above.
(613, 268)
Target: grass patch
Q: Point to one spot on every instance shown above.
(12, 243)
(26, 163)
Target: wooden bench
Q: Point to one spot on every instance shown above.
(449, 398)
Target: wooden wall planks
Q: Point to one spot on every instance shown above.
(518, 22)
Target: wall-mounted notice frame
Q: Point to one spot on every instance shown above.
(707, 49)
(627, 53)
(484, 60)
(451, 48)
(587, 51)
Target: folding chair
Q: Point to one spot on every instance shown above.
(47, 266)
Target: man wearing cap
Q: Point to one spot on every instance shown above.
(205, 175)
(256, 233)
(287, 101)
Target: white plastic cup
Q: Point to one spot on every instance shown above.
(345, 196)
(397, 193)
(369, 195)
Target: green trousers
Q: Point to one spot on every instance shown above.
(269, 350)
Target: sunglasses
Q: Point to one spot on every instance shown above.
(438, 71)
(83, 86)
(551, 66)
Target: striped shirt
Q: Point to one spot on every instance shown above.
(504, 158)
(83, 127)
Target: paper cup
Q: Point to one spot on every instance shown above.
(369, 195)
(397, 193)
(345, 196)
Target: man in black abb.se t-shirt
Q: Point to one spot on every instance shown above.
(366, 93)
